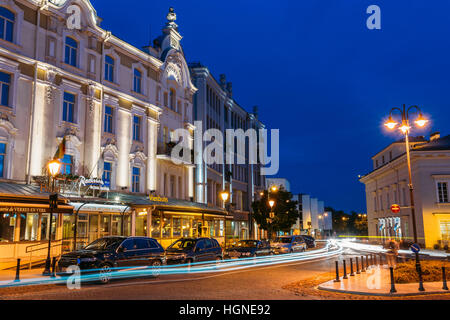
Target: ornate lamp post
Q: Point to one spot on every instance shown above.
(405, 129)
(53, 168)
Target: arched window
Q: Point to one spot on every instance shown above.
(71, 51)
(172, 99)
(137, 82)
(7, 19)
(109, 68)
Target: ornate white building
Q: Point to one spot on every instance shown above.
(116, 105)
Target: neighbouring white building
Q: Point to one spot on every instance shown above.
(313, 220)
(387, 184)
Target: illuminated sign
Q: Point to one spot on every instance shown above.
(158, 199)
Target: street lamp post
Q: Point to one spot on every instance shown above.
(53, 168)
(405, 128)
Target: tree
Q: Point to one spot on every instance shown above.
(285, 211)
(348, 224)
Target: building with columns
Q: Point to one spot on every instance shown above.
(65, 79)
(215, 107)
(388, 182)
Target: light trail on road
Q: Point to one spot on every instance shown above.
(350, 244)
(330, 250)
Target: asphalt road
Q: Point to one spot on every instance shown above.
(259, 282)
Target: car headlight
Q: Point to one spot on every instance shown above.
(92, 259)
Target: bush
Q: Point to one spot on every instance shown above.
(431, 272)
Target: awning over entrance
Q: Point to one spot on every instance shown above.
(163, 203)
(27, 198)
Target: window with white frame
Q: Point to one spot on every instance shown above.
(67, 164)
(2, 160)
(5, 84)
(69, 107)
(135, 181)
(136, 128)
(137, 81)
(108, 122)
(442, 188)
(107, 173)
(71, 51)
(109, 68)
(7, 19)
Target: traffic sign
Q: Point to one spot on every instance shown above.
(395, 208)
(415, 248)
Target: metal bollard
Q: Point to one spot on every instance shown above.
(419, 271)
(53, 275)
(17, 271)
(337, 272)
(367, 261)
(391, 269)
(345, 271)
(444, 280)
(357, 266)
(351, 267)
(362, 264)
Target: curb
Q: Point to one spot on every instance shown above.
(361, 293)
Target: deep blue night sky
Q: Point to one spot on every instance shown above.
(315, 71)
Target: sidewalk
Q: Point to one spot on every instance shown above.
(10, 275)
(376, 281)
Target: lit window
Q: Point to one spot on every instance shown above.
(135, 179)
(7, 19)
(136, 128)
(2, 159)
(71, 49)
(5, 83)
(108, 119)
(442, 192)
(109, 69)
(68, 107)
(66, 164)
(137, 83)
(107, 172)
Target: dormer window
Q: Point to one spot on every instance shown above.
(7, 19)
(109, 68)
(71, 51)
(137, 81)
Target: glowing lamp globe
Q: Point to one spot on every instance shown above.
(53, 167)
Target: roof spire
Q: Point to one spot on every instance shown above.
(171, 17)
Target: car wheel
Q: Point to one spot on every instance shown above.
(291, 251)
(105, 273)
(156, 268)
(218, 260)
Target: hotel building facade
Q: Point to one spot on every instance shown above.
(116, 107)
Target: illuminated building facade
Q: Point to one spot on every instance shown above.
(387, 184)
(64, 78)
(216, 108)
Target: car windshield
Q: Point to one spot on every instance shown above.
(246, 243)
(182, 244)
(104, 244)
(283, 240)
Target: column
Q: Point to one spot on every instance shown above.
(152, 141)
(123, 144)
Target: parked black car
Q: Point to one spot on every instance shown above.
(248, 248)
(188, 250)
(289, 244)
(115, 252)
(310, 241)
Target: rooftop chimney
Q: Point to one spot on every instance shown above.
(230, 89)
(223, 81)
(435, 136)
(255, 111)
